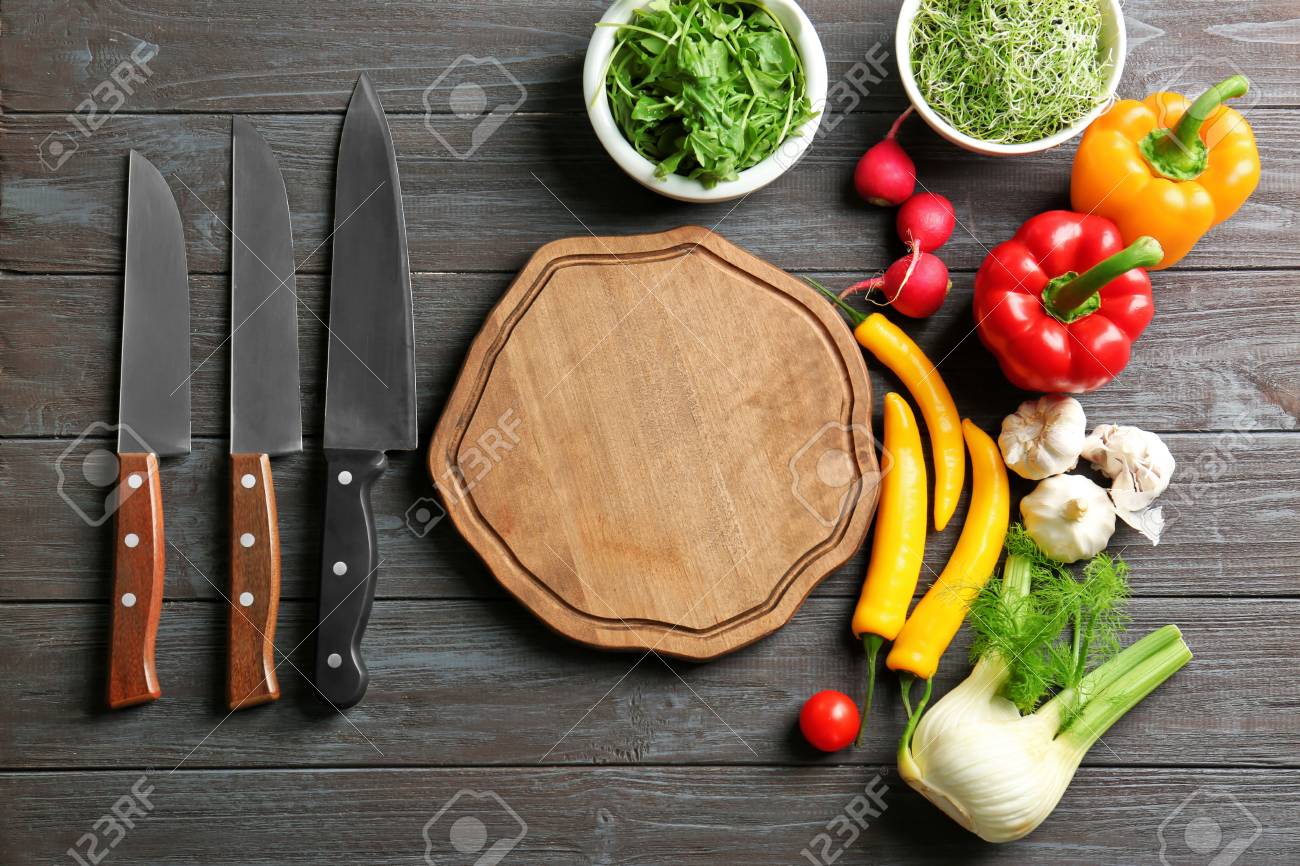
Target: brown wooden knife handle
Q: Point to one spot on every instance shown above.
(254, 582)
(138, 569)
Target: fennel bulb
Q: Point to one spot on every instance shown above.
(992, 754)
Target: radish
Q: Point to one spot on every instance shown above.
(915, 285)
(885, 174)
(926, 220)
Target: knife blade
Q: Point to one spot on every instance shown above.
(370, 385)
(265, 418)
(153, 422)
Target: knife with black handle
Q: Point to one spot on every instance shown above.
(153, 422)
(370, 386)
(265, 418)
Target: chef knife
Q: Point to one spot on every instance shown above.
(265, 418)
(370, 385)
(153, 422)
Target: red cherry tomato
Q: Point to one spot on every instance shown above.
(829, 720)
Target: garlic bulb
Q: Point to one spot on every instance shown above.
(1043, 437)
(1140, 466)
(1137, 462)
(1069, 517)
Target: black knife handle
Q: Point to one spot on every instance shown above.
(349, 571)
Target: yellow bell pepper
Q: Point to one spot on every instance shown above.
(1167, 167)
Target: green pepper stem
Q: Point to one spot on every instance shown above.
(872, 644)
(854, 316)
(913, 714)
(1179, 153)
(1074, 291)
(1189, 125)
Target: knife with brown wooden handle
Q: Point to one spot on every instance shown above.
(153, 422)
(265, 419)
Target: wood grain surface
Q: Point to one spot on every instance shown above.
(659, 442)
(474, 709)
(533, 182)
(701, 815)
(480, 682)
(254, 593)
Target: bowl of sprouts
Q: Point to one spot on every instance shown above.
(1012, 77)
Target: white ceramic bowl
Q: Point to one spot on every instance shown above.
(642, 170)
(1113, 37)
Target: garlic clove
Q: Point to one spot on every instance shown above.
(1149, 521)
(1140, 468)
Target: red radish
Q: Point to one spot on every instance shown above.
(915, 285)
(926, 219)
(885, 174)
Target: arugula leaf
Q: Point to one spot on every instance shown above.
(705, 89)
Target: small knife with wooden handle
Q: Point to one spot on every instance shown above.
(153, 422)
(265, 418)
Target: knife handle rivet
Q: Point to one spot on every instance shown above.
(131, 539)
(134, 480)
(245, 599)
(334, 660)
(248, 481)
(247, 539)
(340, 568)
(128, 599)
(345, 477)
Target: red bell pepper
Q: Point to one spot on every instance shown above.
(1061, 303)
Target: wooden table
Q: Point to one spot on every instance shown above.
(604, 757)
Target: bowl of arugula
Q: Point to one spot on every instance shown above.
(705, 100)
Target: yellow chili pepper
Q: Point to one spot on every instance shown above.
(899, 543)
(1167, 167)
(896, 351)
(900, 354)
(939, 614)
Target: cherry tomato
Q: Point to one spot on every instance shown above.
(829, 720)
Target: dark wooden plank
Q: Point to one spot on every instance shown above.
(491, 211)
(1232, 508)
(254, 55)
(481, 682)
(684, 815)
(1209, 361)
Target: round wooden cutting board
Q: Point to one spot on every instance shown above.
(660, 441)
